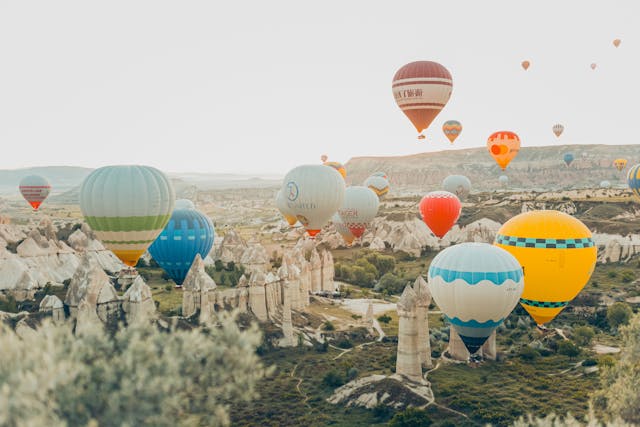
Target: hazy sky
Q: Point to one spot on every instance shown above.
(261, 86)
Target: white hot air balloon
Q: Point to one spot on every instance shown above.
(378, 184)
(313, 193)
(557, 129)
(184, 204)
(281, 204)
(476, 285)
(605, 184)
(35, 189)
(503, 180)
(342, 229)
(458, 185)
(359, 208)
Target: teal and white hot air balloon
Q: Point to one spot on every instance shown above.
(476, 285)
(127, 207)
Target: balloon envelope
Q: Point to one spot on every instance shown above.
(127, 207)
(337, 166)
(35, 189)
(568, 158)
(503, 180)
(557, 129)
(620, 164)
(476, 285)
(342, 229)
(605, 184)
(503, 146)
(313, 193)
(458, 185)
(440, 210)
(593, 66)
(421, 89)
(184, 204)
(281, 204)
(188, 233)
(525, 65)
(557, 254)
(633, 180)
(358, 209)
(378, 185)
(452, 129)
(617, 42)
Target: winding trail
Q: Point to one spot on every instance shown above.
(433, 402)
(306, 398)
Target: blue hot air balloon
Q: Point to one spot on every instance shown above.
(568, 158)
(188, 233)
(476, 285)
(633, 179)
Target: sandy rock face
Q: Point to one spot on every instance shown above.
(231, 248)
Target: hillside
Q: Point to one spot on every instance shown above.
(533, 168)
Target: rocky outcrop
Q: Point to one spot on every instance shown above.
(423, 299)
(408, 361)
(616, 248)
(458, 351)
(53, 305)
(288, 339)
(91, 285)
(137, 301)
(255, 258)
(198, 292)
(231, 248)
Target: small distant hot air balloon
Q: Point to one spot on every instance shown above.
(421, 90)
(525, 65)
(281, 204)
(605, 184)
(476, 285)
(35, 189)
(440, 210)
(313, 193)
(378, 185)
(324, 158)
(184, 204)
(358, 209)
(503, 180)
(558, 129)
(557, 254)
(337, 166)
(452, 129)
(568, 158)
(617, 42)
(620, 164)
(593, 65)
(458, 185)
(188, 233)
(503, 146)
(127, 207)
(633, 180)
(342, 229)
(380, 173)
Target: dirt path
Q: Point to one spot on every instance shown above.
(306, 398)
(433, 402)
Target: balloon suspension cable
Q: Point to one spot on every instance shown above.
(421, 136)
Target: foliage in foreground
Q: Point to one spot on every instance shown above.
(139, 376)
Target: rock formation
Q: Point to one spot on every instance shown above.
(137, 301)
(368, 318)
(198, 292)
(316, 271)
(423, 301)
(327, 271)
(458, 351)
(287, 327)
(90, 284)
(53, 305)
(255, 258)
(231, 247)
(408, 358)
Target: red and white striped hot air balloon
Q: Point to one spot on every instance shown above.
(421, 90)
(358, 209)
(35, 189)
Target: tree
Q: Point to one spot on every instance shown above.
(218, 265)
(529, 354)
(618, 314)
(583, 335)
(411, 417)
(391, 283)
(140, 375)
(568, 348)
(384, 319)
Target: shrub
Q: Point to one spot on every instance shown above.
(628, 276)
(618, 314)
(612, 274)
(583, 335)
(391, 283)
(328, 326)
(352, 374)
(218, 265)
(356, 316)
(528, 354)
(165, 276)
(411, 417)
(589, 362)
(333, 379)
(168, 287)
(568, 348)
(385, 318)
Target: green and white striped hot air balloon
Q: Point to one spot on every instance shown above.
(127, 207)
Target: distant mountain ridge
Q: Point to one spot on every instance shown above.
(540, 168)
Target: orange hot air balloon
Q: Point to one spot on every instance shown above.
(440, 210)
(324, 158)
(620, 164)
(337, 166)
(525, 65)
(617, 42)
(503, 147)
(421, 90)
(452, 129)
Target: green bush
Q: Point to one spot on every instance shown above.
(618, 314)
(384, 319)
(352, 374)
(628, 276)
(568, 348)
(411, 417)
(328, 326)
(333, 379)
(218, 265)
(168, 287)
(589, 362)
(583, 335)
(391, 283)
(344, 343)
(528, 354)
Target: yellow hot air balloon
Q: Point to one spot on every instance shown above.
(337, 166)
(557, 254)
(620, 164)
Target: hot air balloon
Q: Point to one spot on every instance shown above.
(324, 158)
(593, 66)
(440, 210)
(605, 184)
(188, 233)
(337, 166)
(458, 185)
(568, 158)
(421, 90)
(503, 180)
(35, 189)
(378, 185)
(617, 42)
(633, 179)
(127, 207)
(558, 129)
(620, 164)
(358, 209)
(281, 204)
(184, 204)
(313, 194)
(503, 147)
(343, 230)
(557, 255)
(380, 173)
(452, 129)
(476, 285)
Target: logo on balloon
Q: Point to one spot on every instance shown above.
(293, 191)
(499, 149)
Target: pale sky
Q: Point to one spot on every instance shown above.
(262, 86)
